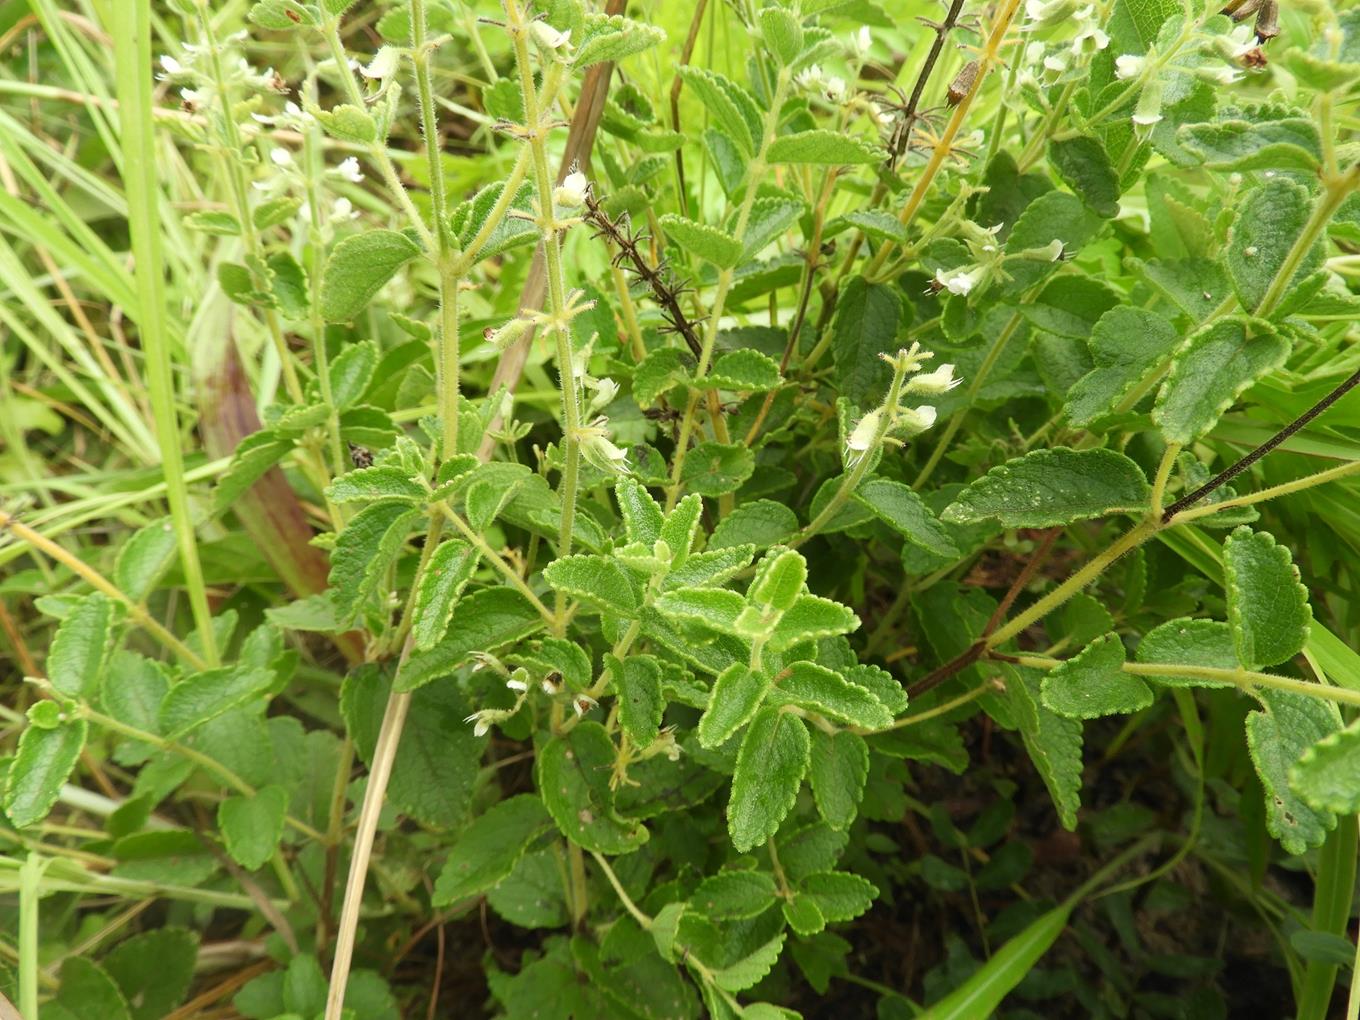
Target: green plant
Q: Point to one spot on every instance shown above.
(643, 529)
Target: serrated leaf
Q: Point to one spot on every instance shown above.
(749, 970)
(382, 481)
(1327, 776)
(822, 147)
(482, 622)
(1127, 344)
(879, 225)
(1192, 643)
(468, 219)
(132, 692)
(703, 240)
(682, 524)
(840, 766)
(371, 540)
(42, 763)
(144, 559)
(1049, 487)
(802, 914)
(87, 992)
(450, 569)
(1093, 683)
(1082, 162)
(204, 696)
(746, 371)
(1211, 370)
(734, 895)
(613, 37)
(1053, 742)
(596, 580)
(1277, 738)
(782, 33)
(1267, 604)
(868, 316)
(1268, 222)
(760, 523)
(839, 895)
(774, 756)
(82, 645)
(642, 517)
(218, 224)
(491, 490)
(288, 284)
(641, 703)
(487, 850)
(358, 267)
(881, 684)
(660, 372)
(351, 372)
(709, 568)
(732, 107)
(715, 469)
(573, 779)
(274, 211)
(815, 688)
(153, 969)
(254, 455)
(348, 123)
(252, 826)
(778, 580)
(811, 618)
(1291, 143)
(715, 608)
(736, 696)
(899, 507)
(771, 215)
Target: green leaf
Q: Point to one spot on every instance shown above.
(383, 481)
(774, 756)
(1093, 683)
(371, 540)
(132, 692)
(487, 850)
(682, 524)
(868, 316)
(882, 684)
(450, 568)
(899, 507)
(839, 895)
(1082, 162)
(711, 567)
(746, 371)
(1053, 743)
(661, 371)
(274, 211)
(715, 608)
(1049, 487)
(492, 488)
(815, 688)
(732, 108)
(1192, 643)
(751, 968)
(840, 766)
(254, 455)
(771, 215)
(281, 15)
(1211, 370)
(1277, 738)
(642, 517)
(641, 703)
(782, 34)
(348, 123)
(252, 826)
(778, 580)
(82, 645)
(482, 622)
(877, 224)
(1127, 344)
(811, 618)
(468, 219)
(573, 778)
(203, 696)
(734, 895)
(715, 469)
(1267, 605)
(88, 993)
(1054, 216)
(289, 285)
(358, 267)
(41, 765)
(736, 696)
(596, 580)
(613, 38)
(802, 914)
(1327, 776)
(1268, 222)
(703, 240)
(1291, 143)
(153, 969)
(823, 147)
(144, 559)
(760, 523)
(218, 224)
(351, 372)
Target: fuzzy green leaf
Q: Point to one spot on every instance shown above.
(144, 559)
(715, 608)
(774, 756)
(1277, 738)
(1192, 643)
(87, 992)
(839, 895)
(1049, 487)
(1291, 143)
(815, 688)
(1127, 344)
(1092, 683)
(252, 826)
(866, 325)
(482, 622)
(203, 696)
(823, 147)
(612, 38)
(840, 766)
(682, 524)
(1327, 776)
(710, 568)
(746, 371)
(752, 968)
(153, 970)
(573, 779)
(358, 267)
(802, 914)
(1053, 743)
(779, 580)
(771, 215)
(715, 469)
(1267, 605)
(450, 569)
(642, 517)
(703, 240)
(734, 895)
(661, 371)
(595, 580)
(761, 523)
(899, 507)
(132, 692)
(1213, 368)
(1268, 222)
(641, 703)
(487, 850)
(736, 696)
(371, 540)
(1082, 162)
(42, 764)
(380, 482)
(80, 650)
(732, 107)
(782, 33)
(811, 618)
(351, 372)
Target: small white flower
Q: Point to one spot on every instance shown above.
(516, 685)
(916, 419)
(942, 380)
(835, 89)
(548, 686)
(861, 42)
(810, 78)
(343, 209)
(550, 38)
(1128, 65)
(583, 703)
(170, 66)
(605, 392)
(598, 449)
(196, 97)
(958, 281)
(1089, 39)
(348, 170)
(862, 435)
(1223, 75)
(1055, 64)
(571, 193)
(1239, 42)
(280, 157)
(481, 721)
(383, 65)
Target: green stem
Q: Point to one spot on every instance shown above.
(498, 561)
(1335, 190)
(1283, 489)
(624, 898)
(938, 710)
(1163, 474)
(132, 51)
(30, 897)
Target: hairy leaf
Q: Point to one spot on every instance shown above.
(1048, 487)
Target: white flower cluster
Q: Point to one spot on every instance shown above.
(828, 87)
(892, 424)
(197, 86)
(518, 682)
